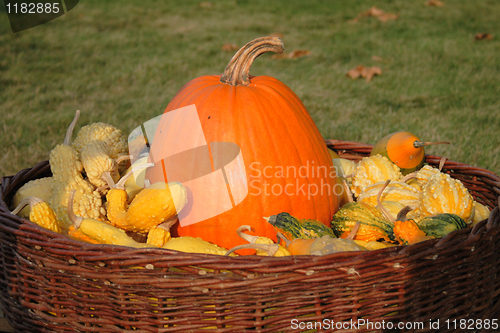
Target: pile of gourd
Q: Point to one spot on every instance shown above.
(92, 197)
(402, 205)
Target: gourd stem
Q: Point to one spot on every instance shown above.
(283, 238)
(409, 176)
(420, 144)
(168, 223)
(441, 163)
(121, 183)
(106, 176)
(26, 201)
(76, 220)
(123, 158)
(379, 203)
(69, 131)
(247, 237)
(402, 213)
(354, 231)
(271, 249)
(347, 191)
(238, 69)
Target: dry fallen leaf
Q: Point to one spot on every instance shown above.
(365, 72)
(292, 55)
(378, 13)
(230, 47)
(482, 36)
(434, 3)
(388, 17)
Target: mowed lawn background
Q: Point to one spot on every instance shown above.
(122, 61)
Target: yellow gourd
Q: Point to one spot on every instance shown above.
(372, 170)
(194, 245)
(40, 213)
(395, 191)
(40, 188)
(443, 194)
(150, 207)
(66, 176)
(102, 232)
(160, 235)
(481, 212)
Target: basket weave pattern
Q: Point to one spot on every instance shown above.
(50, 283)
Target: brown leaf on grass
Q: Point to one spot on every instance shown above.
(292, 55)
(228, 47)
(434, 3)
(482, 36)
(388, 17)
(378, 13)
(365, 72)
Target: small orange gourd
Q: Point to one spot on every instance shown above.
(404, 149)
(407, 231)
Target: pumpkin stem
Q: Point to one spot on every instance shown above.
(420, 144)
(237, 71)
(270, 249)
(69, 131)
(247, 237)
(379, 203)
(402, 213)
(76, 220)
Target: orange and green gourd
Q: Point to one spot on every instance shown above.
(404, 149)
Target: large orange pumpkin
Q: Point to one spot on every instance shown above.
(287, 165)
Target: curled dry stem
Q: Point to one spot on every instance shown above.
(31, 201)
(69, 131)
(348, 191)
(379, 203)
(249, 238)
(76, 220)
(270, 249)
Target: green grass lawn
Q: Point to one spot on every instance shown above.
(121, 62)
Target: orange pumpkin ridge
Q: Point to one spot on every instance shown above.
(274, 132)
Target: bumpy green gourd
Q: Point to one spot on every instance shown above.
(442, 224)
(373, 225)
(293, 228)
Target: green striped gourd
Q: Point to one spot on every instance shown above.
(293, 228)
(373, 225)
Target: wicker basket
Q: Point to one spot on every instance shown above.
(53, 284)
